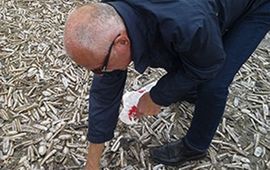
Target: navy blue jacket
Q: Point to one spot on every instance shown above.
(182, 36)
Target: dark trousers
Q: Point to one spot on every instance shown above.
(239, 43)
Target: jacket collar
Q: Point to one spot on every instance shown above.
(135, 28)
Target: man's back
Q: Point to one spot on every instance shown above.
(231, 10)
(227, 10)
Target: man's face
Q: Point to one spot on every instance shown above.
(104, 56)
(117, 57)
(103, 69)
(99, 47)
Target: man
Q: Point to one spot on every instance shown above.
(201, 44)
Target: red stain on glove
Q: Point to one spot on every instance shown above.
(132, 113)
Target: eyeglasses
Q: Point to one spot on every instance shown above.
(103, 68)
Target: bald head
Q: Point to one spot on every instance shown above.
(89, 31)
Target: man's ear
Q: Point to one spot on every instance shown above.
(122, 42)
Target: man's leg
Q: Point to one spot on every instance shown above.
(94, 155)
(239, 44)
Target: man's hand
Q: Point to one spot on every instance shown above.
(146, 106)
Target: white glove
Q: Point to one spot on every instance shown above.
(128, 115)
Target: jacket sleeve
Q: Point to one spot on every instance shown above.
(104, 102)
(201, 61)
(171, 88)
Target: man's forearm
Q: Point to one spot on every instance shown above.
(94, 156)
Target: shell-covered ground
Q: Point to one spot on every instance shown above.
(44, 101)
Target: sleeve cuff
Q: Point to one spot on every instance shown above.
(158, 98)
(99, 139)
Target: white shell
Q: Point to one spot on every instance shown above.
(66, 150)
(258, 151)
(42, 150)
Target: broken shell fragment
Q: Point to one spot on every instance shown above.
(6, 146)
(258, 151)
(42, 149)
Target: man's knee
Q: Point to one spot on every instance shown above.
(215, 88)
